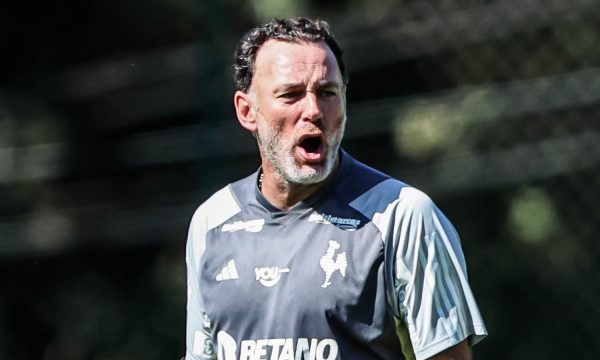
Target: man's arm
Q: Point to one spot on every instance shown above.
(460, 351)
(435, 303)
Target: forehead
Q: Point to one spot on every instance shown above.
(280, 60)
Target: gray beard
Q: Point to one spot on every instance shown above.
(280, 156)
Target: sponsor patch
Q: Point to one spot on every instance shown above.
(249, 226)
(269, 276)
(276, 349)
(348, 224)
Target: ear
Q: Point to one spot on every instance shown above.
(245, 110)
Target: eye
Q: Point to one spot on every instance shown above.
(327, 93)
(290, 95)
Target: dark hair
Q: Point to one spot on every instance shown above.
(295, 29)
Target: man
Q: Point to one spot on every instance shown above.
(315, 255)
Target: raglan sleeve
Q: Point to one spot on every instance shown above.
(432, 299)
(199, 343)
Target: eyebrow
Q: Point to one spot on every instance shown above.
(326, 84)
(287, 86)
(294, 85)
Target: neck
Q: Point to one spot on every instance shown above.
(283, 194)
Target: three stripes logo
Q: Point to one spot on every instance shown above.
(229, 272)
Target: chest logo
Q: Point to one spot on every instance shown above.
(329, 265)
(229, 272)
(269, 276)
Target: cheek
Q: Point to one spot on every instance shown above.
(272, 118)
(334, 110)
(278, 126)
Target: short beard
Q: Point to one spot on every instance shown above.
(280, 154)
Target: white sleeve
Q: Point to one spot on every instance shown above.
(199, 343)
(213, 212)
(431, 296)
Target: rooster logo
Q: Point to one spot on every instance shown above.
(329, 265)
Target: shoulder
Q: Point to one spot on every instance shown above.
(370, 191)
(415, 199)
(216, 209)
(379, 192)
(210, 214)
(360, 180)
(222, 205)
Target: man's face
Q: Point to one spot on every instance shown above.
(299, 99)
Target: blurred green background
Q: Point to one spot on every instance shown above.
(116, 122)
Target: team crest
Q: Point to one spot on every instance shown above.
(332, 262)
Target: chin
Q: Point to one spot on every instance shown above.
(308, 174)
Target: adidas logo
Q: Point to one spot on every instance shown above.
(229, 272)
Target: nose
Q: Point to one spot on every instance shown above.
(311, 108)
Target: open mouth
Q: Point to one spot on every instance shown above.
(311, 147)
(311, 144)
